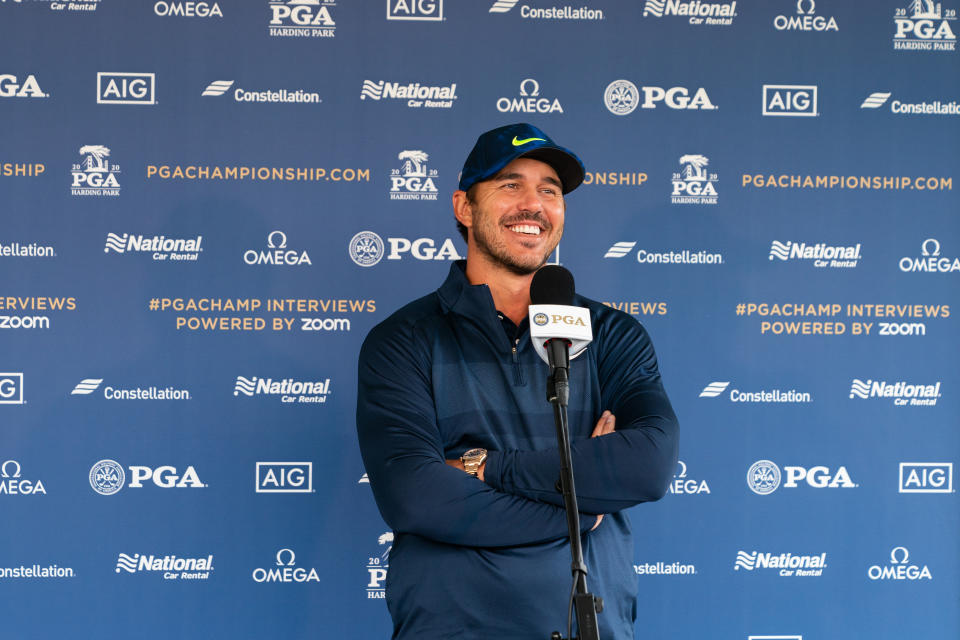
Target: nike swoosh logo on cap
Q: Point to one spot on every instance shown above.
(520, 143)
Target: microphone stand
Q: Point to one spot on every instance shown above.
(586, 605)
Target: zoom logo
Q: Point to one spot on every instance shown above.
(11, 388)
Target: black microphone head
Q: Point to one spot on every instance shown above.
(552, 284)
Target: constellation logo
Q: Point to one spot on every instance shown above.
(11, 388)
(924, 26)
(95, 176)
(552, 13)
(126, 88)
(930, 261)
(899, 568)
(786, 564)
(821, 254)
(435, 97)
(284, 477)
(902, 393)
(89, 385)
(171, 567)
(302, 19)
(277, 254)
(875, 100)
(790, 100)
(926, 477)
(377, 566)
(413, 180)
(529, 101)
(664, 569)
(289, 390)
(12, 485)
(364, 479)
(683, 485)
(694, 185)
(86, 386)
(427, 10)
(285, 569)
(161, 248)
(936, 108)
(714, 389)
(19, 250)
(806, 19)
(698, 12)
(220, 87)
(679, 256)
(10, 87)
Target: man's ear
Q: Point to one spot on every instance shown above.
(462, 210)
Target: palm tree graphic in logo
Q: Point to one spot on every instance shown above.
(413, 164)
(695, 167)
(95, 162)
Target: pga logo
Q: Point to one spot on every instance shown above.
(11, 88)
(422, 249)
(107, 477)
(300, 13)
(764, 477)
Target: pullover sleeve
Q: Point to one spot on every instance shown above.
(403, 454)
(616, 471)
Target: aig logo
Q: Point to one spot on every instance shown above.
(427, 10)
(11, 388)
(284, 477)
(926, 477)
(790, 100)
(126, 88)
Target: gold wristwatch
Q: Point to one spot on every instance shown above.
(472, 459)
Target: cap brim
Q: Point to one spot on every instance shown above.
(568, 166)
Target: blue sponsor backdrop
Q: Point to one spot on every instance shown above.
(185, 287)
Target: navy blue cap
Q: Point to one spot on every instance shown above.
(499, 147)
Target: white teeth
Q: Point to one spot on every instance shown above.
(526, 228)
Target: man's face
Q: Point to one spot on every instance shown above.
(517, 216)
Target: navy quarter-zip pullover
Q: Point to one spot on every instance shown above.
(487, 559)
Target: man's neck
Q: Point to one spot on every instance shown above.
(511, 292)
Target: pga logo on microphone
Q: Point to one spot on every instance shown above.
(550, 321)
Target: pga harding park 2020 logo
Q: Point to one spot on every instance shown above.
(924, 26)
(694, 185)
(161, 248)
(377, 566)
(902, 393)
(413, 180)
(95, 176)
(302, 19)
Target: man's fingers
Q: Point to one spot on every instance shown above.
(597, 524)
(606, 424)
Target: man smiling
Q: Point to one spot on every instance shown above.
(458, 439)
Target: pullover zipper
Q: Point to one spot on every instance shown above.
(517, 371)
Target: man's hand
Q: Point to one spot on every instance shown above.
(605, 425)
(458, 464)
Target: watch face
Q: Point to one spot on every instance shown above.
(473, 453)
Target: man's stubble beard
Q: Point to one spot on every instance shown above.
(495, 249)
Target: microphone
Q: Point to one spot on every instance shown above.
(559, 331)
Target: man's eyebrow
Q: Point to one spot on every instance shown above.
(500, 177)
